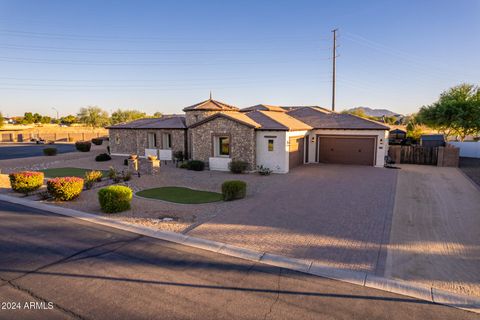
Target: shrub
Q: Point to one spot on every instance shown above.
(196, 165)
(50, 151)
(184, 165)
(65, 188)
(115, 198)
(237, 166)
(91, 177)
(97, 141)
(126, 176)
(83, 146)
(26, 181)
(178, 155)
(264, 171)
(234, 189)
(103, 157)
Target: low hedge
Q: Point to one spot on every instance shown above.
(237, 166)
(115, 198)
(234, 189)
(65, 188)
(103, 157)
(50, 151)
(97, 141)
(83, 146)
(26, 181)
(195, 165)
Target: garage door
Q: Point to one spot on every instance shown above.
(295, 155)
(346, 150)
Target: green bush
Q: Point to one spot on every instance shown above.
(65, 188)
(26, 181)
(91, 177)
(178, 155)
(196, 165)
(83, 146)
(115, 198)
(103, 157)
(50, 151)
(97, 141)
(183, 165)
(234, 189)
(237, 166)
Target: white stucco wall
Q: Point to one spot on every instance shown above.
(277, 160)
(381, 142)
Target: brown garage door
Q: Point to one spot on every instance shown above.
(346, 150)
(295, 154)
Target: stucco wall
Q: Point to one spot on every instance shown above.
(381, 142)
(135, 141)
(276, 160)
(242, 144)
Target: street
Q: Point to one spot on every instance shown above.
(8, 151)
(81, 270)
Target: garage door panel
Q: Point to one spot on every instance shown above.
(347, 150)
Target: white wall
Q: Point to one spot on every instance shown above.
(468, 149)
(381, 143)
(276, 160)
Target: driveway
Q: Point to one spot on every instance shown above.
(435, 237)
(336, 214)
(89, 271)
(8, 151)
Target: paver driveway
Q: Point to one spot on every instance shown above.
(335, 214)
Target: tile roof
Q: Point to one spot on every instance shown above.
(169, 122)
(274, 120)
(263, 107)
(319, 119)
(232, 115)
(321, 109)
(211, 104)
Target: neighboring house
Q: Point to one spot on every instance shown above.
(432, 140)
(397, 136)
(275, 137)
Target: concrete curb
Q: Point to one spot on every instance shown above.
(405, 288)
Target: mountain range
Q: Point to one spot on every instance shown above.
(374, 112)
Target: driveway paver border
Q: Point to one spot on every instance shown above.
(405, 288)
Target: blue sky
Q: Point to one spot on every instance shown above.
(165, 55)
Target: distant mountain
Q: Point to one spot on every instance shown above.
(374, 112)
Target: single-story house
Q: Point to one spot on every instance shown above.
(432, 140)
(275, 137)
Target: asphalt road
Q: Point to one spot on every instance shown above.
(87, 271)
(31, 150)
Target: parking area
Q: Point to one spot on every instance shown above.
(13, 151)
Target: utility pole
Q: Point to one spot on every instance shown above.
(334, 57)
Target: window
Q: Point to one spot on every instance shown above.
(223, 146)
(117, 138)
(167, 141)
(152, 140)
(270, 144)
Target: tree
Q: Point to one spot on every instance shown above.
(2, 119)
(68, 120)
(457, 112)
(37, 118)
(94, 117)
(28, 118)
(126, 116)
(45, 119)
(157, 114)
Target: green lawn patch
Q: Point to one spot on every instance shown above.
(180, 195)
(68, 172)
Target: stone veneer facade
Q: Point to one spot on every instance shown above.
(242, 140)
(193, 116)
(128, 141)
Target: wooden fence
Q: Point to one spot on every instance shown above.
(414, 154)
